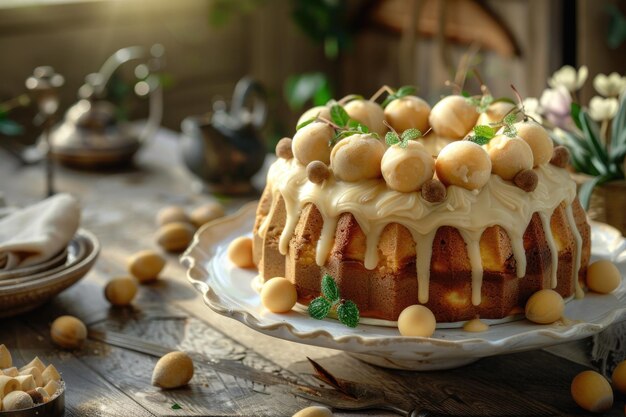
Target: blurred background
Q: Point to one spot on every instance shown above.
(305, 51)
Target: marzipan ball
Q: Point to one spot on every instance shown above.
(146, 265)
(311, 143)
(560, 157)
(452, 117)
(16, 400)
(240, 252)
(357, 157)
(68, 332)
(495, 113)
(527, 180)
(509, 156)
(207, 212)
(538, 139)
(465, 164)
(407, 113)
(603, 277)
(120, 291)
(592, 392)
(545, 307)
(619, 377)
(279, 295)
(317, 172)
(368, 113)
(407, 169)
(417, 320)
(175, 237)
(314, 411)
(434, 191)
(283, 148)
(317, 111)
(171, 214)
(173, 370)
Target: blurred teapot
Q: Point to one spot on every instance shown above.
(91, 135)
(224, 148)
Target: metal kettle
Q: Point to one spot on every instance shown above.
(225, 148)
(91, 135)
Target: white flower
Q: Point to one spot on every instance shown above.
(603, 108)
(533, 109)
(569, 78)
(556, 106)
(611, 85)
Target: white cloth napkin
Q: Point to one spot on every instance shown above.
(36, 233)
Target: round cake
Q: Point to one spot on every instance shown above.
(472, 231)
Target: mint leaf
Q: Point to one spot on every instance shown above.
(175, 406)
(330, 289)
(510, 118)
(411, 134)
(392, 138)
(319, 308)
(404, 91)
(339, 116)
(485, 131)
(305, 123)
(480, 140)
(358, 126)
(348, 313)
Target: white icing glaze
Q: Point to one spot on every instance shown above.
(577, 250)
(554, 253)
(374, 205)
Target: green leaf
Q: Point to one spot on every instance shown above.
(485, 131)
(510, 118)
(175, 406)
(480, 140)
(503, 100)
(319, 308)
(306, 123)
(405, 90)
(339, 116)
(348, 313)
(585, 190)
(592, 135)
(10, 128)
(358, 126)
(509, 130)
(301, 88)
(330, 289)
(411, 134)
(575, 113)
(618, 128)
(392, 138)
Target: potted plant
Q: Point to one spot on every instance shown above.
(595, 135)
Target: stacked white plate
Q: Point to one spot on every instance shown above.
(23, 289)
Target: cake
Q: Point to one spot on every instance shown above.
(473, 231)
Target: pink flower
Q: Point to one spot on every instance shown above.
(556, 104)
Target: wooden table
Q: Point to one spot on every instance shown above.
(103, 380)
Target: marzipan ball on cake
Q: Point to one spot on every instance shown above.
(408, 112)
(317, 111)
(465, 164)
(357, 157)
(368, 113)
(538, 139)
(495, 113)
(509, 156)
(453, 117)
(406, 169)
(310, 143)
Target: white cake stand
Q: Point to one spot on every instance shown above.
(228, 290)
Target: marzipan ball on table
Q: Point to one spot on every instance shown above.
(146, 265)
(314, 411)
(453, 117)
(279, 295)
(240, 252)
(509, 156)
(538, 139)
(592, 392)
(317, 111)
(120, 291)
(68, 332)
(545, 307)
(495, 113)
(368, 113)
(173, 370)
(357, 157)
(465, 164)
(603, 277)
(206, 213)
(417, 320)
(408, 112)
(171, 214)
(619, 377)
(175, 237)
(311, 143)
(407, 169)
